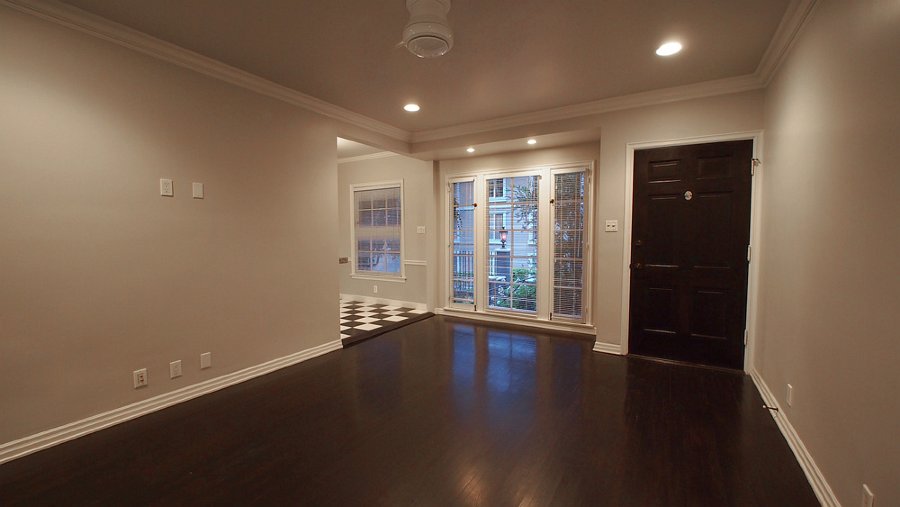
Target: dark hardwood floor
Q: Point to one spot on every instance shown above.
(440, 412)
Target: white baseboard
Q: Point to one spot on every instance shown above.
(608, 348)
(27, 445)
(518, 321)
(383, 301)
(804, 458)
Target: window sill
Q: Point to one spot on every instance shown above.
(396, 279)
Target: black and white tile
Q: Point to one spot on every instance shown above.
(360, 318)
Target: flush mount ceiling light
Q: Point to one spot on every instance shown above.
(428, 34)
(668, 49)
(412, 108)
(470, 149)
(531, 141)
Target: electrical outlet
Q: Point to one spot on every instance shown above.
(868, 498)
(612, 226)
(175, 369)
(140, 378)
(205, 360)
(789, 395)
(166, 187)
(420, 229)
(374, 289)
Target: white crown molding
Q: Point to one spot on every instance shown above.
(816, 480)
(102, 28)
(662, 96)
(27, 445)
(370, 156)
(795, 17)
(792, 22)
(608, 348)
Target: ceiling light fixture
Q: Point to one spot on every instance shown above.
(470, 149)
(668, 49)
(412, 108)
(428, 33)
(532, 141)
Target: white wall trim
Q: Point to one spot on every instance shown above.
(412, 262)
(804, 458)
(105, 29)
(608, 348)
(370, 156)
(795, 17)
(384, 301)
(27, 445)
(662, 96)
(755, 210)
(573, 327)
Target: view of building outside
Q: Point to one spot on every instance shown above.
(512, 231)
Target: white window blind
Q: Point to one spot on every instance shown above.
(512, 262)
(462, 241)
(568, 244)
(377, 230)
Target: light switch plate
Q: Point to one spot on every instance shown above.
(205, 360)
(166, 187)
(197, 190)
(612, 226)
(420, 229)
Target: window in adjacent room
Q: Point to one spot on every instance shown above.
(377, 229)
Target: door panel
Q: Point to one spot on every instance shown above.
(689, 239)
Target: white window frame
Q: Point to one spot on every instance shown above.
(370, 275)
(481, 276)
(448, 276)
(587, 235)
(545, 245)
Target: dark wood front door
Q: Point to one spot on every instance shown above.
(689, 250)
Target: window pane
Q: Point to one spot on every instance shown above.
(568, 244)
(512, 262)
(378, 222)
(462, 238)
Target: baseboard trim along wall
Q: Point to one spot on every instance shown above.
(608, 348)
(27, 445)
(804, 458)
(383, 301)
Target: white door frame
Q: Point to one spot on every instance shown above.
(755, 221)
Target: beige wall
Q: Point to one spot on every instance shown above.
(710, 116)
(831, 245)
(417, 210)
(100, 274)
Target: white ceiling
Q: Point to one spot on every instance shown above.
(509, 56)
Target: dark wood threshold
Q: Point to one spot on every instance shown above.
(353, 340)
(522, 328)
(676, 362)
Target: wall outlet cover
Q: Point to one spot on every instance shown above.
(612, 226)
(166, 187)
(205, 360)
(175, 369)
(140, 378)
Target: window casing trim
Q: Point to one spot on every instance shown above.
(374, 275)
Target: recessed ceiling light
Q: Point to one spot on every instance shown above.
(470, 149)
(412, 108)
(668, 49)
(532, 141)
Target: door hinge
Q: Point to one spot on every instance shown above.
(754, 162)
(745, 337)
(749, 252)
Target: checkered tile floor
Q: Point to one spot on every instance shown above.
(363, 318)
